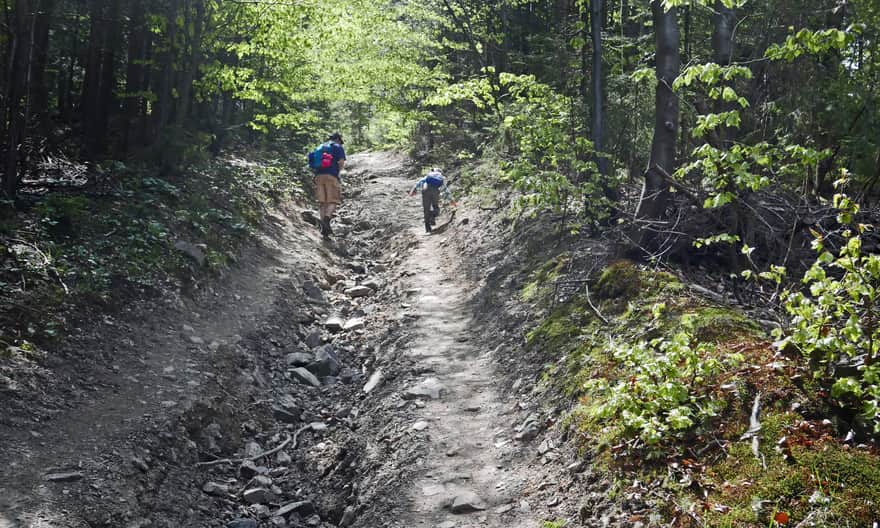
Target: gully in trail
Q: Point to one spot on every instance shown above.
(253, 408)
(468, 475)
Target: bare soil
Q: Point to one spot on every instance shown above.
(151, 411)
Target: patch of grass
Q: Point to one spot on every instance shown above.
(818, 478)
(541, 280)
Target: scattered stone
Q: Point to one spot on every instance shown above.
(187, 328)
(314, 520)
(248, 470)
(529, 429)
(504, 508)
(258, 496)
(69, 476)
(375, 380)
(446, 524)
(467, 502)
(372, 284)
(421, 425)
(304, 377)
(429, 389)
(252, 449)
(242, 523)
(283, 458)
(546, 446)
(433, 489)
(358, 291)
(313, 340)
(303, 508)
(326, 362)
(313, 291)
(525, 507)
(283, 415)
(553, 501)
(191, 250)
(298, 359)
(140, 464)
(354, 324)
(310, 217)
(318, 426)
(334, 323)
(348, 517)
(214, 488)
(196, 340)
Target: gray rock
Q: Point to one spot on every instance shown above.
(376, 378)
(298, 359)
(504, 508)
(214, 488)
(334, 323)
(313, 340)
(191, 250)
(304, 377)
(303, 508)
(326, 362)
(252, 449)
(311, 217)
(314, 520)
(283, 458)
(69, 476)
(467, 502)
(446, 524)
(140, 464)
(354, 324)
(348, 517)
(248, 470)
(242, 523)
(313, 291)
(428, 389)
(258, 496)
(358, 291)
(421, 425)
(283, 415)
(196, 340)
(372, 284)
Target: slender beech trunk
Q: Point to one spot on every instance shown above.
(655, 197)
(165, 101)
(16, 95)
(195, 58)
(39, 86)
(596, 12)
(134, 72)
(91, 106)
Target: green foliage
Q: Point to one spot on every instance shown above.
(666, 392)
(835, 322)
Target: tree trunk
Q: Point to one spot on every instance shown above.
(108, 102)
(165, 97)
(134, 72)
(91, 106)
(17, 94)
(596, 11)
(655, 197)
(195, 58)
(39, 87)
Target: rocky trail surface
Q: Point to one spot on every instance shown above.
(342, 383)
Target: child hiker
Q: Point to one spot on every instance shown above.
(431, 186)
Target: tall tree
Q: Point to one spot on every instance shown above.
(16, 98)
(655, 196)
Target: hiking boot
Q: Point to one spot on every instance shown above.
(325, 227)
(427, 227)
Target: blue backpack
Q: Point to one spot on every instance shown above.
(434, 179)
(321, 157)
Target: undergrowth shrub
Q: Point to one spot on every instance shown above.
(667, 392)
(836, 322)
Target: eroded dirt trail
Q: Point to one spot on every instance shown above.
(468, 475)
(398, 413)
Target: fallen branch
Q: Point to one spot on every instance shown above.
(592, 306)
(282, 445)
(754, 429)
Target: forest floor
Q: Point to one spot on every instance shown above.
(345, 383)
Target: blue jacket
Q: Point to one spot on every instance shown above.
(338, 154)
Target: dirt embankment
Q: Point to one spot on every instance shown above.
(358, 382)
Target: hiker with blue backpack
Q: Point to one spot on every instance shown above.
(327, 161)
(431, 186)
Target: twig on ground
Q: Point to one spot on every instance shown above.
(592, 306)
(754, 429)
(289, 440)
